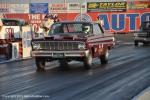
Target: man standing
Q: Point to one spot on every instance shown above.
(46, 24)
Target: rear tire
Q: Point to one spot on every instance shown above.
(88, 61)
(104, 58)
(40, 64)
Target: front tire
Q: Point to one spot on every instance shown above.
(136, 43)
(88, 61)
(104, 58)
(40, 63)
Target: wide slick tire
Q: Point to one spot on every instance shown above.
(104, 58)
(88, 61)
(40, 64)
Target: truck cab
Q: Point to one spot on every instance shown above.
(143, 35)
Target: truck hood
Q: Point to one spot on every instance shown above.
(63, 37)
(142, 31)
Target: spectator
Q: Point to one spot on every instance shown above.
(55, 17)
(46, 23)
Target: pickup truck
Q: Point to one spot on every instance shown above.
(143, 35)
(67, 41)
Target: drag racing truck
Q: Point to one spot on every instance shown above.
(67, 41)
(143, 35)
(13, 33)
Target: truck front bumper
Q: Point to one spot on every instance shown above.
(60, 54)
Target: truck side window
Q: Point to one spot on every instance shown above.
(96, 29)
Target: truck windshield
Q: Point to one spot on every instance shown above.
(146, 26)
(60, 28)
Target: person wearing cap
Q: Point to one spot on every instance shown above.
(46, 23)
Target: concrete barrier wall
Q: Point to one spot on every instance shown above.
(129, 37)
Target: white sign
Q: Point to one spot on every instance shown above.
(4, 8)
(58, 8)
(76, 8)
(19, 8)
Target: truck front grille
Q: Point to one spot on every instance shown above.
(59, 45)
(144, 34)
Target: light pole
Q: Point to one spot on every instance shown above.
(81, 4)
(65, 3)
(81, 10)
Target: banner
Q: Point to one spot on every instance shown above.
(123, 22)
(106, 6)
(38, 8)
(58, 8)
(76, 8)
(138, 5)
(83, 17)
(4, 8)
(19, 8)
(112, 21)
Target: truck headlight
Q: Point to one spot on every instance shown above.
(35, 45)
(81, 46)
